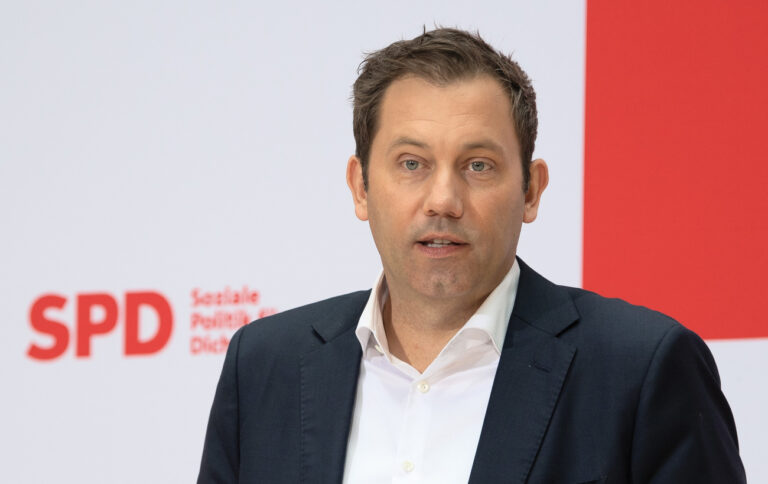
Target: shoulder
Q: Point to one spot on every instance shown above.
(634, 335)
(578, 315)
(296, 330)
(614, 315)
(586, 319)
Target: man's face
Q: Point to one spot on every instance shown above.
(445, 198)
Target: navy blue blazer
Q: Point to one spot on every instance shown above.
(587, 390)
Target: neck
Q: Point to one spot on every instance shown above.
(418, 330)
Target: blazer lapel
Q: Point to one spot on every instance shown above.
(532, 368)
(328, 386)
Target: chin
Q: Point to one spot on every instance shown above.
(445, 285)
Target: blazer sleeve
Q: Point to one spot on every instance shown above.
(221, 454)
(684, 429)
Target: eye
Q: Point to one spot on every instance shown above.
(411, 164)
(478, 166)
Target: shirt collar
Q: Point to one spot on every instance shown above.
(491, 318)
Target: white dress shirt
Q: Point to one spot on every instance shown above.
(411, 427)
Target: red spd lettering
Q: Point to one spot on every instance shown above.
(97, 315)
(87, 328)
(133, 300)
(55, 329)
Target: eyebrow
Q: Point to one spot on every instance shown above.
(406, 141)
(486, 144)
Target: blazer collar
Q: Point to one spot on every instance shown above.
(343, 315)
(529, 379)
(542, 304)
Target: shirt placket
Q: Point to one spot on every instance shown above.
(409, 457)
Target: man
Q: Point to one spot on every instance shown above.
(462, 364)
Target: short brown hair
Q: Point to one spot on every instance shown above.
(441, 56)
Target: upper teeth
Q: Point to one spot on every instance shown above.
(438, 243)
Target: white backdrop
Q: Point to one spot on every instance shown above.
(181, 146)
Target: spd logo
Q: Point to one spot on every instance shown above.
(97, 314)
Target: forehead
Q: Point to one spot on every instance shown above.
(456, 112)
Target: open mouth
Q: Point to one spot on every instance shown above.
(437, 243)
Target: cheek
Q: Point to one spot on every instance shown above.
(385, 227)
(504, 219)
(388, 206)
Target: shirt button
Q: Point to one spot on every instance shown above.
(423, 386)
(408, 466)
(378, 348)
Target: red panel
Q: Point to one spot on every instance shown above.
(676, 160)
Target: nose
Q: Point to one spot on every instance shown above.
(445, 195)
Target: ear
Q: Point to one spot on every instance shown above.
(536, 185)
(357, 187)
